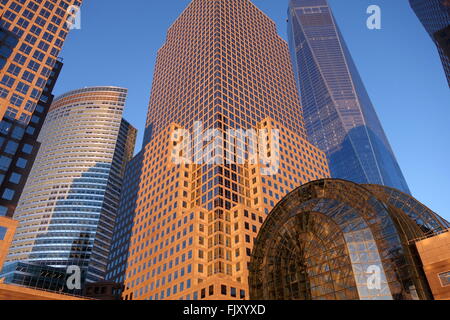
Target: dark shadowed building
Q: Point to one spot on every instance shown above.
(435, 17)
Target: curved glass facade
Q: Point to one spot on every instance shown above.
(339, 116)
(337, 240)
(67, 211)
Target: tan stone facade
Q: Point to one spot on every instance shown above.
(435, 255)
(43, 27)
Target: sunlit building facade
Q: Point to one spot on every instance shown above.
(32, 34)
(337, 240)
(68, 208)
(435, 17)
(41, 28)
(338, 113)
(19, 146)
(18, 150)
(434, 251)
(223, 65)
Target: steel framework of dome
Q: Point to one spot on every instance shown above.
(337, 240)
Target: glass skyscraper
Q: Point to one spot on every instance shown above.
(338, 113)
(435, 17)
(68, 208)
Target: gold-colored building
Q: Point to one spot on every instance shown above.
(201, 200)
(42, 27)
(435, 255)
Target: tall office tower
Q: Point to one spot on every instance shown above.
(41, 28)
(31, 36)
(224, 65)
(67, 211)
(118, 255)
(339, 116)
(18, 149)
(19, 146)
(435, 17)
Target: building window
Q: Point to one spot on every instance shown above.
(15, 178)
(18, 133)
(3, 233)
(27, 148)
(5, 127)
(11, 147)
(4, 163)
(3, 211)
(8, 194)
(445, 279)
(224, 290)
(30, 130)
(21, 163)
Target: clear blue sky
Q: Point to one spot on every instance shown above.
(399, 64)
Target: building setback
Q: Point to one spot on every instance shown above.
(339, 116)
(223, 65)
(68, 208)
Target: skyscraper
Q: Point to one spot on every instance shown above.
(435, 17)
(32, 34)
(223, 65)
(18, 150)
(118, 255)
(41, 28)
(67, 211)
(19, 147)
(339, 116)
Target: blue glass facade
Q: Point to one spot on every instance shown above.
(338, 113)
(435, 17)
(434, 14)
